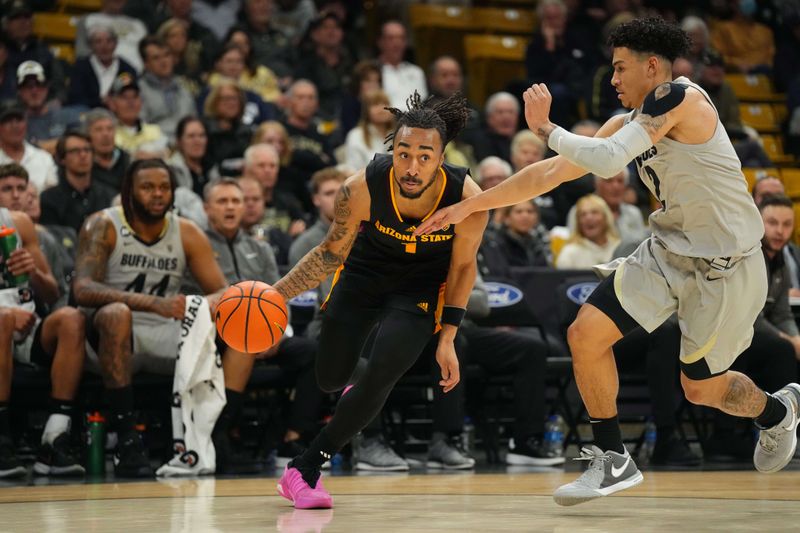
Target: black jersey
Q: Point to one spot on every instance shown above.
(386, 255)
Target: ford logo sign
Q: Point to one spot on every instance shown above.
(502, 294)
(306, 299)
(580, 292)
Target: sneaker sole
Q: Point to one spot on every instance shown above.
(441, 466)
(525, 460)
(43, 469)
(567, 500)
(374, 468)
(780, 466)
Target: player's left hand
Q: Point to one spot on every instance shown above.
(537, 106)
(448, 362)
(21, 262)
(443, 217)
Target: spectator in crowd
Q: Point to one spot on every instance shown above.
(256, 223)
(366, 79)
(502, 114)
(283, 210)
(445, 78)
(595, 236)
(241, 258)
(300, 123)
(47, 119)
(189, 160)
(189, 56)
(746, 45)
(8, 79)
(93, 76)
(400, 78)
(196, 41)
(165, 100)
(628, 220)
(523, 240)
(129, 31)
(76, 196)
(772, 356)
(132, 133)
(326, 62)
(216, 15)
(15, 149)
(526, 149)
(493, 170)
(271, 48)
(250, 75)
(228, 136)
(296, 167)
(23, 46)
(766, 185)
(57, 341)
(137, 315)
(110, 161)
(560, 57)
(712, 79)
(683, 67)
(292, 17)
(769, 185)
(697, 30)
(368, 138)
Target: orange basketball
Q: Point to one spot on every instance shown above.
(251, 316)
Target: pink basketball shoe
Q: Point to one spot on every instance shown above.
(294, 488)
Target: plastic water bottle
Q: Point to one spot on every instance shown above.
(554, 436)
(650, 436)
(96, 445)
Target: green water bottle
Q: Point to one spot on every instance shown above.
(8, 243)
(96, 445)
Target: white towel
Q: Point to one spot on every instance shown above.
(198, 394)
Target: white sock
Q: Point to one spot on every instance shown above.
(56, 425)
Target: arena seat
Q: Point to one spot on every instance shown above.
(752, 175)
(492, 61)
(59, 27)
(773, 146)
(759, 116)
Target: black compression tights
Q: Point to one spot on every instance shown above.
(398, 341)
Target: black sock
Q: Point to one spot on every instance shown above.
(4, 425)
(772, 415)
(607, 434)
(61, 407)
(230, 413)
(121, 402)
(309, 464)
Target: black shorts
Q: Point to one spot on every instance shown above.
(605, 299)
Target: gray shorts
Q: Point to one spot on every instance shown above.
(154, 344)
(717, 301)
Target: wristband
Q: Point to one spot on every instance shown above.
(452, 315)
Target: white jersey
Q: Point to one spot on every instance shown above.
(706, 209)
(136, 266)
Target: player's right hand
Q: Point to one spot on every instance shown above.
(23, 321)
(444, 217)
(171, 307)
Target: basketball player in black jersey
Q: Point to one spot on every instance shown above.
(407, 287)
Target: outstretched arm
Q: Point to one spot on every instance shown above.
(530, 182)
(352, 206)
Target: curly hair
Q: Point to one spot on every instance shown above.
(651, 36)
(448, 116)
(126, 188)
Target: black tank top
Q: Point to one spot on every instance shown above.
(385, 254)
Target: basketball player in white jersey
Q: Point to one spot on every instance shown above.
(130, 264)
(702, 261)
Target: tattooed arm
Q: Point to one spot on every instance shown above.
(95, 244)
(352, 206)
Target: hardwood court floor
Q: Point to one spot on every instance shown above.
(666, 501)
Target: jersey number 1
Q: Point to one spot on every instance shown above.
(137, 285)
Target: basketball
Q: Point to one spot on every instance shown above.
(251, 316)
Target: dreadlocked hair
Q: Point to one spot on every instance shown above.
(448, 116)
(126, 188)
